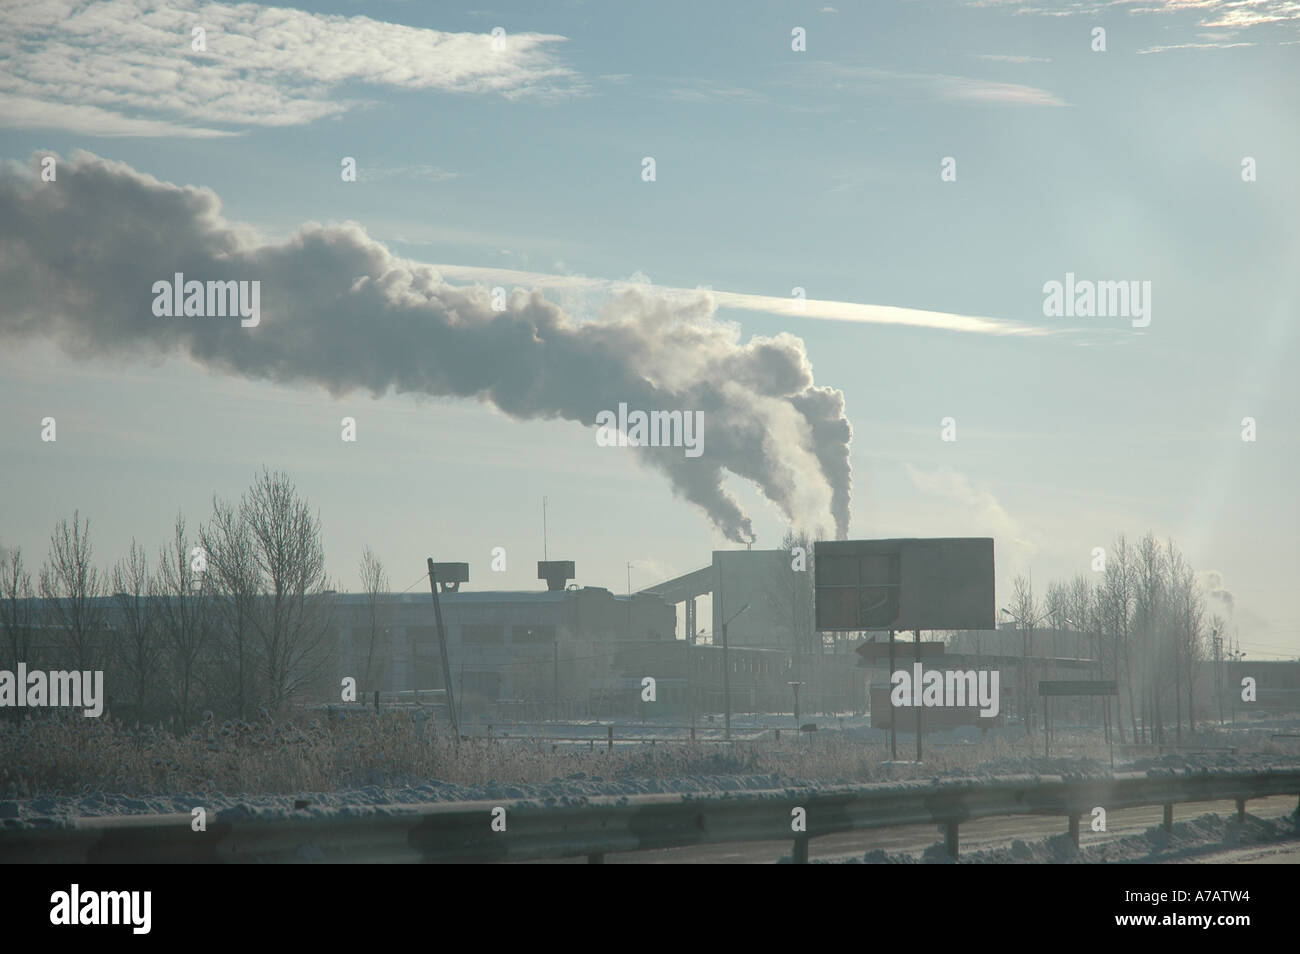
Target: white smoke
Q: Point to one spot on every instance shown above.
(79, 257)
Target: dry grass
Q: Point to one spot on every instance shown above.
(65, 754)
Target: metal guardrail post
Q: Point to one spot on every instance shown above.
(1241, 810)
(800, 855)
(950, 839)
(1074, 830)
(610, 747)
(1168, 823)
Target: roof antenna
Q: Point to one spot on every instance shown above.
(544, 554)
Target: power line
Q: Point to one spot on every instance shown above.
(419, 579)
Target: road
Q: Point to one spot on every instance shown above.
(976, 835)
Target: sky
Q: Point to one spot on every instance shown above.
(919, 171)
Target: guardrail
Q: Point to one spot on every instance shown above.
(466, 831)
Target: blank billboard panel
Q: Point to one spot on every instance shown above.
(940, 583)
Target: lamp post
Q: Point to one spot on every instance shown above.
(1025, 628)
(795, 686)
(726, 670)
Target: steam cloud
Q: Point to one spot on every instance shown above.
(1214, 585)
(79, 256)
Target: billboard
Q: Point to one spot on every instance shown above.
(935, 583)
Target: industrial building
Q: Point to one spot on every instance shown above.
(574, 651)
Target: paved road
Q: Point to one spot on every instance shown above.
(975, 835)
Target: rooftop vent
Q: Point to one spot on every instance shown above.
(556, 573)
(449, 576)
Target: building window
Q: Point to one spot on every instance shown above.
(483, 634)
(522, 635)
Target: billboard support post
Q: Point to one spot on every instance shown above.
(893, 712)
(901, 584)
(442, 649)
(915, 690)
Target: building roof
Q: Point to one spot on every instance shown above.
(460, 598)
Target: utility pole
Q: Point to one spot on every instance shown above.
(555, 675)
(726, 670)
(1026, 630)
(795, 686)
(1218, 671)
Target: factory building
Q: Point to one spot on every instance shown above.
(574, 651)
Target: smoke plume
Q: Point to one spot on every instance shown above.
(79, 257)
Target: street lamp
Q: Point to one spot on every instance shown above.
(726, 669)
(795, 686)
(1024, 664)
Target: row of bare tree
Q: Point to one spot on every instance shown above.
(230, 618)
(1145, 618)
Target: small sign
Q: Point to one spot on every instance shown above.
(1078, 687)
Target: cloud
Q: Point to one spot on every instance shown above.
(974, 510)
(1192, 46)
(812, 308)
(702, 91)
(1231, 14)
(80, 257)
(937, 86)
(367, 172)
(127, 67)
(22, 112)
(1217, 592)
(962, 88)
(1006, 58)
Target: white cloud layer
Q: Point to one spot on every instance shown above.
(127, 67)
(812, 308)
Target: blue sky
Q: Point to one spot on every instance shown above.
(775, 169)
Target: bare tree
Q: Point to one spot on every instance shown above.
(294, 610)
(790, 595)
(1028, 616)
(17, 614)
(374, 582)
(1117, 611)
(1080, 614)
(1055, 605)
(1187, 624)
(137, 645)
(72, 589)
(232, 581)
(184, 613)
(1150, 620)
